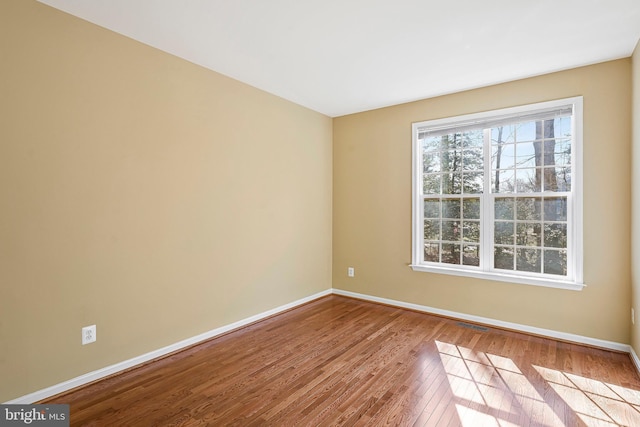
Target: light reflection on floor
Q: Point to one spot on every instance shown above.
(491, 390)
(595, 402)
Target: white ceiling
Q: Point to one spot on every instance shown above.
(344, 56)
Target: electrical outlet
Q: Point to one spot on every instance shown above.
(88, 334)
(351, 272)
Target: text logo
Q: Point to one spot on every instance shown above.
(34, 415)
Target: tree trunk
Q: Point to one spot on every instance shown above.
(547, 176)
(498, 155)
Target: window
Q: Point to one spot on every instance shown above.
(498, 194)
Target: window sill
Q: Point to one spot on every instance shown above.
(524, 280)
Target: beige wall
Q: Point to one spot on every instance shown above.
(144, 194)
(372, 207)
(635, 223)
(160, 200)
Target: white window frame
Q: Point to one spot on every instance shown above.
(574, 278)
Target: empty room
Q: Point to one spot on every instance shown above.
(410, 213)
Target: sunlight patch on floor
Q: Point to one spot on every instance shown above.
(597, 403)
(491, 390)
(471, 417)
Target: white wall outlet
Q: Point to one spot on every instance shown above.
(633, 316)
(351, 272)
(88, 334)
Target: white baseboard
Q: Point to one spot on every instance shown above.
(634, 358)
(118, 367)
(579, 339)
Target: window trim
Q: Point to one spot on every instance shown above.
(576, 194)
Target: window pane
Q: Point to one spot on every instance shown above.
(451, 253)
(471, 208)
(451, 161)
(555, 209)
(451, 208)
(471, 231)
(503, 181)
(473, 182)
(528, 234)
(503, 134)
(528, 180)
(451, 231)
(451, 141)
(557, 179)
(471, 255)
(526, 131)
(432, 208)
(503, 233)
(431, 162)
(563, 152)
(528, 208)
(432, 252)
(431, 184)
(549, 156)
(431, 143)
(555, 235)
(431, 229)
(503, 258)
(563, 127)
(452, 183)
(563, 176)
(504, 208)
(474, 140)
(555, 262)
(502, 156)
(472, 159)
(525, 155)
(528, 260)
(551, 179)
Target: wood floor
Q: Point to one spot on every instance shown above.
(339, 361)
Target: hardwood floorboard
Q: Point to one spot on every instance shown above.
(343, 362)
